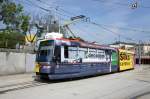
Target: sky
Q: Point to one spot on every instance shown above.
(119, 20)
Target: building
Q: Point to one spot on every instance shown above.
(142, 51)
(124, 45)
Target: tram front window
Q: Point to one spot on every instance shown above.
(45, 52)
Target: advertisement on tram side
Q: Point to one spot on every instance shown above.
(114, 59)
(126, 60)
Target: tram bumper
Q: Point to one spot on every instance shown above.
(62, 76)
(51, 73)
(45, 69)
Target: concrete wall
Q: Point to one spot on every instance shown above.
(13, 63)
(30, 62)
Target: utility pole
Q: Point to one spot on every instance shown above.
(59, 19)
(119, 40)
(139, 52)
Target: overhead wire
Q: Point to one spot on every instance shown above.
(105, 27)
(109, 30)
(57, 8)
(123, 28)
(30, 3)
(123, 4)
(127, 28)
(118, 34)
(46, 9)
(82, 30)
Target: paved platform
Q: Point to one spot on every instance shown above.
(133, 84)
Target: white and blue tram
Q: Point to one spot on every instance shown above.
(60, 58)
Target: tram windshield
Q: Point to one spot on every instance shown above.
(45, 51)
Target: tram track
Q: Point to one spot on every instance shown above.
(19, 86)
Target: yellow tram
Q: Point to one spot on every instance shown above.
(126, 60)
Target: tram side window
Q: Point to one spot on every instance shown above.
(65, 51)
(83, 52)
(100, 54)
(92, 53)
(72, 52)
(57, 53)
(107, 54)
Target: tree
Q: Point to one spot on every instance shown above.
(12, 16)
(8, 39)
(25, 24)
(17, 24)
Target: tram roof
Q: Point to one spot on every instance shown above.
(77, 42)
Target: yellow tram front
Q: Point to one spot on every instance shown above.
(126, 60)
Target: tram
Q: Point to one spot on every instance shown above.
(126, 60)
(61, 58)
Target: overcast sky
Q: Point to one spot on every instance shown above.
(115, 15)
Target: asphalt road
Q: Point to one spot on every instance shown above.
(133, 84)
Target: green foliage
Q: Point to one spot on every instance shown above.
(13, 17)
(1, 1)
(9, 39)
(16, 21)
(25, 23)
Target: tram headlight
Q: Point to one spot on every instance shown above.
(46, 67)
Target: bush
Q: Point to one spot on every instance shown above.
(9, 39)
